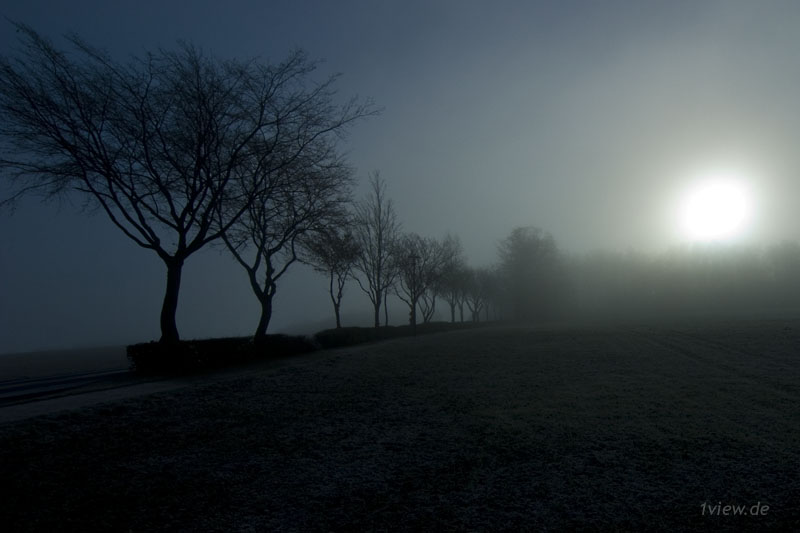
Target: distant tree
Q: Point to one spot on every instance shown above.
(452, 285)
(491, 287)
(428, 304)
(531, 269)
(453, 288)
(419, 264)
(474, 295)
(333, 252)
(449, 252)
(161, 144)
(376, 230)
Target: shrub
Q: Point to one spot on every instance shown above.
(208, 354)
(186, 357)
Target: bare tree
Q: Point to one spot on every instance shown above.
(420, 264)
(291, 204)
(453, 287)
(155, 143)
(427, 304)
(477, 292)
(333, 252)
(376, 230)
(448, 252)
(416, 261)
(452, 282)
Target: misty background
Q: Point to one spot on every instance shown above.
(588, 120)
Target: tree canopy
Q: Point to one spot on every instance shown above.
(173, 146)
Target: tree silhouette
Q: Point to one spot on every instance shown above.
(291, 204)
(530, 267)
(376, 230)
(161, 144)
(452, 285)
(419, 263)
(333, 252)
(476, 293)
(448, 252)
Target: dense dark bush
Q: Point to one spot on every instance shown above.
(208, 354)
(186, 357)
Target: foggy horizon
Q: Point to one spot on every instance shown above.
(592, 123)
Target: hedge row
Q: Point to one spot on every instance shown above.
(337, 338)
(210, 354)
(193, 356)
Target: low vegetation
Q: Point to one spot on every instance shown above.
(209, 354)
(185, 357)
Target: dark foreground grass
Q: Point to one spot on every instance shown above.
(494, 429)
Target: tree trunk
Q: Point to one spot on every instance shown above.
(169, 328)
(336, 302)
(260, 336)
(453, 312)
(461, 311)
(414, 318)
(428, 316)
(378, 312)
(385, 310)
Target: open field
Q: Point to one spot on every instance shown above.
(503, 428)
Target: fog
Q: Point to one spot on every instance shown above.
(588, 121)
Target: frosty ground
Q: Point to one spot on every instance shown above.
(547, 427)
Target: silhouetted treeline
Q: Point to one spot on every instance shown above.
(535, 281)
(181, 150)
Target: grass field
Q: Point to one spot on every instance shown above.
(504, 428)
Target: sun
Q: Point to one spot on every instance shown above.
(716, 208)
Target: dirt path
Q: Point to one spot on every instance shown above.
(502, 429)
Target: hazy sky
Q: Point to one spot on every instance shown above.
(588, 119)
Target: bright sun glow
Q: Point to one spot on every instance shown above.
(717, 208)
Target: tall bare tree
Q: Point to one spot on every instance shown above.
(156, 143)
(477, 293)
(454, 285)
(413, 259)
(420, 264)
(292, 204)
(448, 251)
(333, 252)
(376, 231)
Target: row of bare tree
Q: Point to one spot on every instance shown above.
(368, 246)
(181, 150)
